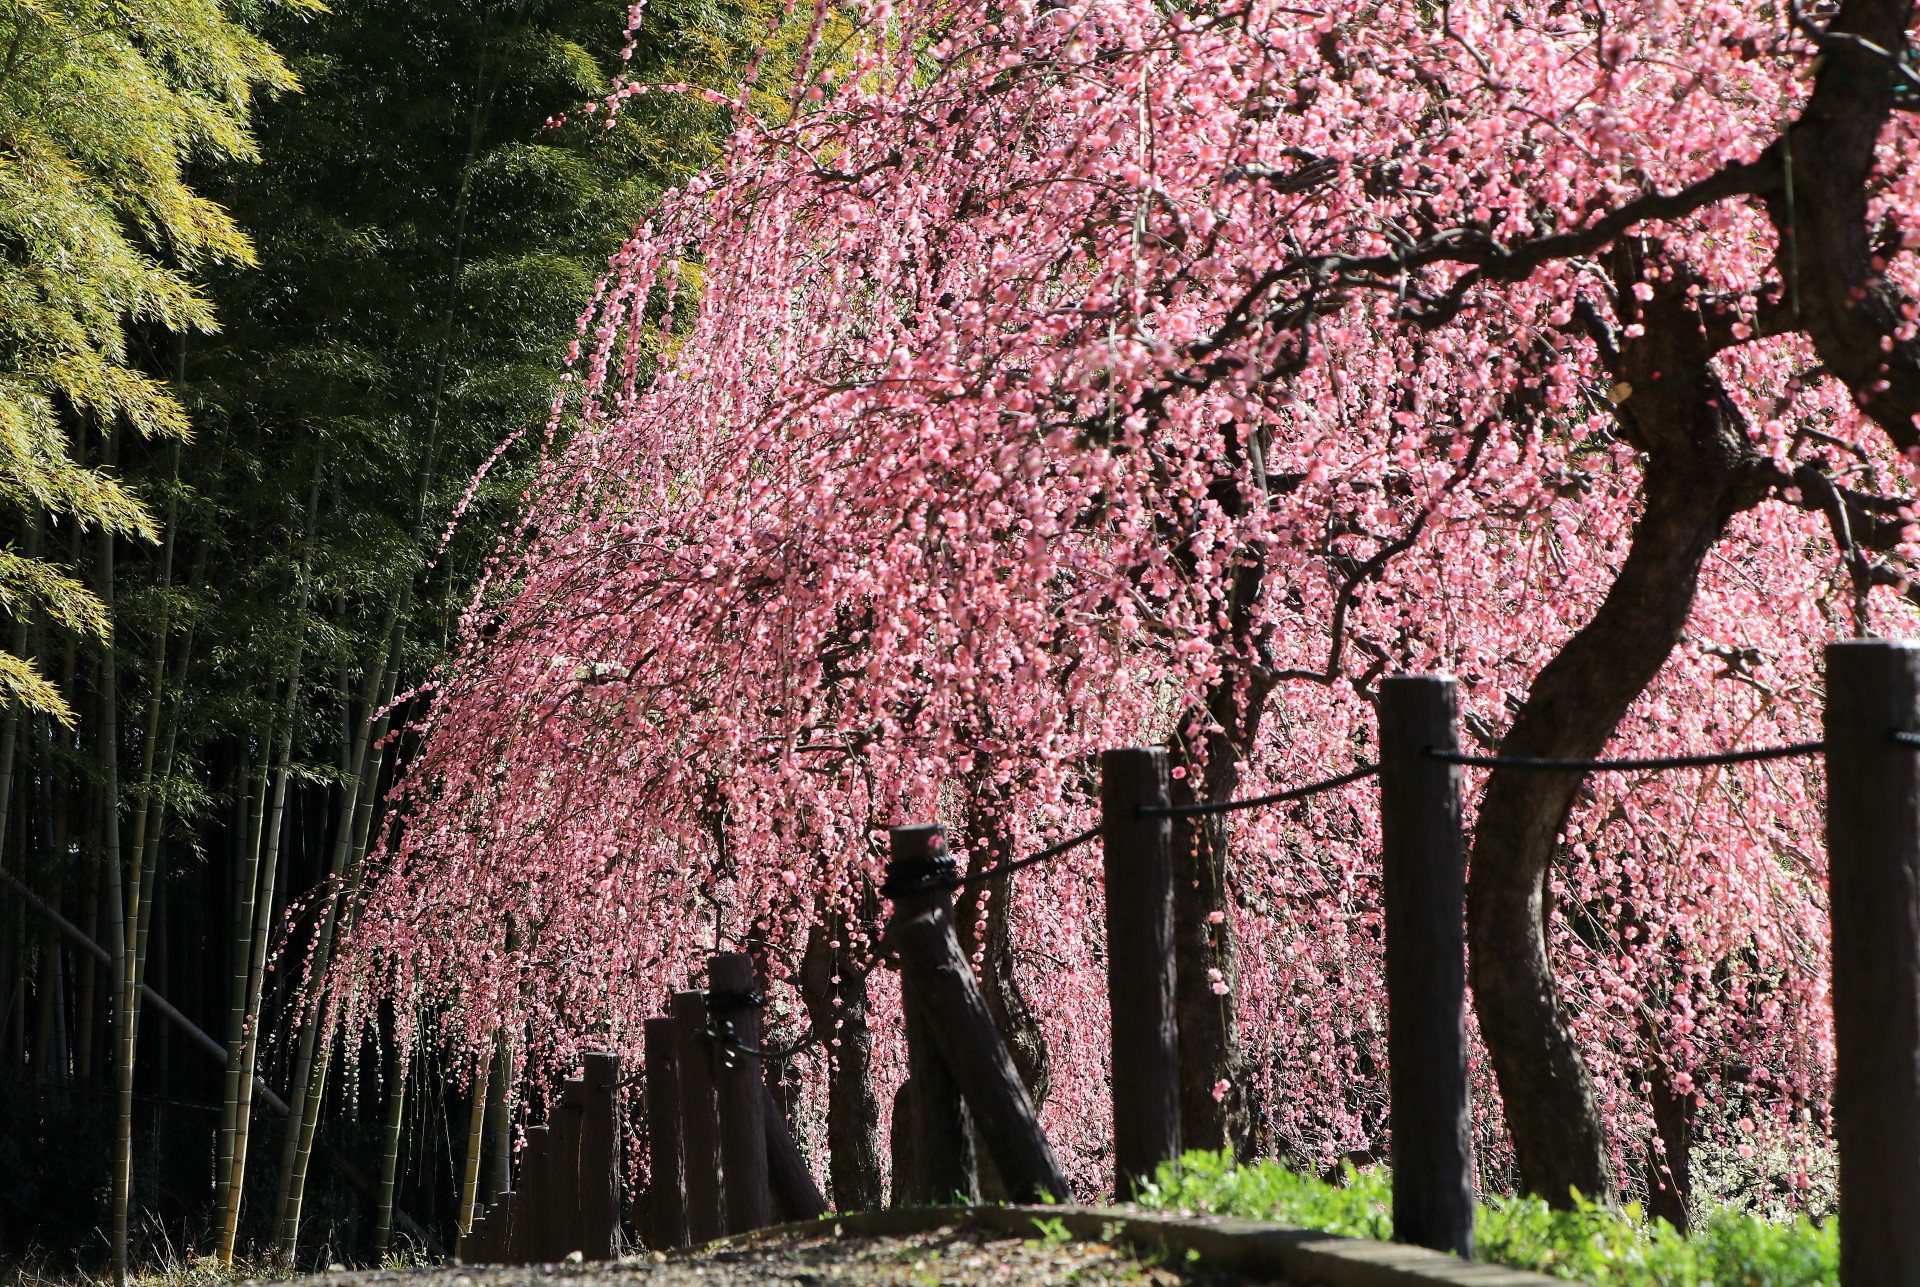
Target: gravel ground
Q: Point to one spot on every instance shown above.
(955, 1256)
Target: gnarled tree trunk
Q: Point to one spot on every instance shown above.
(1700, 470)
(834, 989)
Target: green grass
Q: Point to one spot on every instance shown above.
(1590, 1245)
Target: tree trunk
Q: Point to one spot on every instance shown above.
(987, 933)
(1697, 476)
(1208, 746)
(837, 1012)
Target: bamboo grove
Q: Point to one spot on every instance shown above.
(276, 279)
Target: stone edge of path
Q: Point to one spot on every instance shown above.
(1254, 1247)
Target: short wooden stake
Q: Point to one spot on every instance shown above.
(600, 1157)
(666, 1226)
(502, 1248)
(533, 1230)
(699, 1119)
(733, 1010)
(1873, 875)
(1140, 965)
(566, 1135)
(1423, 874)
(473, 1247)
(942, 997)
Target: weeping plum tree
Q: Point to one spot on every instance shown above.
(1051, 377)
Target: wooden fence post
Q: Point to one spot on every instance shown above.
(473, 1244)
(501, 1244)
(1423, 880)
(600, 1157)
(733, 1009)
(943, 999)
(666, 1226)
(565, 1135)
(1873, 875)
(699, 1119)
(533, 1228)
(1140, 965)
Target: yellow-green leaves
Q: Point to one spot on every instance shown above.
(103, 105)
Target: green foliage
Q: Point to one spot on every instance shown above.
(1590, 1244)
(102, 108)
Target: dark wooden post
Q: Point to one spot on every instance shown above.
(943, 999)
(666, 1226)
(473, 1247)
(699, 1119)
(502, 1245)
(910, 1187)
(733, 1009)
(533, 1230)
(794, 1190)
(600, 1157)
(1873, 875)
(1140, 965)
(1423, 880)
(565, 1136)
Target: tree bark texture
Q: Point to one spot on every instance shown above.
(1699, 471)
(837, 1011)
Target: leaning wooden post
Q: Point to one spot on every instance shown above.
(666, 1175)
(1423, 876)
(941, 994)
(733, 1009)
(699, 1119)
(1140, 995)
(565, 1134)
(794, 1190)
(600, 1157)
(1873, 877)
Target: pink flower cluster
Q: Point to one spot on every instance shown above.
(914, 455)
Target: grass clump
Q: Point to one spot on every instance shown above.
(1591, 1245)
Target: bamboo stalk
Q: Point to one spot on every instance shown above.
(476, 1140)
(350, 846)
(390, 1150)
(500, 1119)
(246, 872)
(118, 918)
(262, 928)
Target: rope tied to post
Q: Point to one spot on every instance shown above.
(935, 869)
(730, 1000)
(1359, 773)
(1645, 763)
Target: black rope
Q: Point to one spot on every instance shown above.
(1004, 868)
(1653, 762)
(1361, 773)
(722, 1034)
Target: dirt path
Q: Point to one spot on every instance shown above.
(955, 1256)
